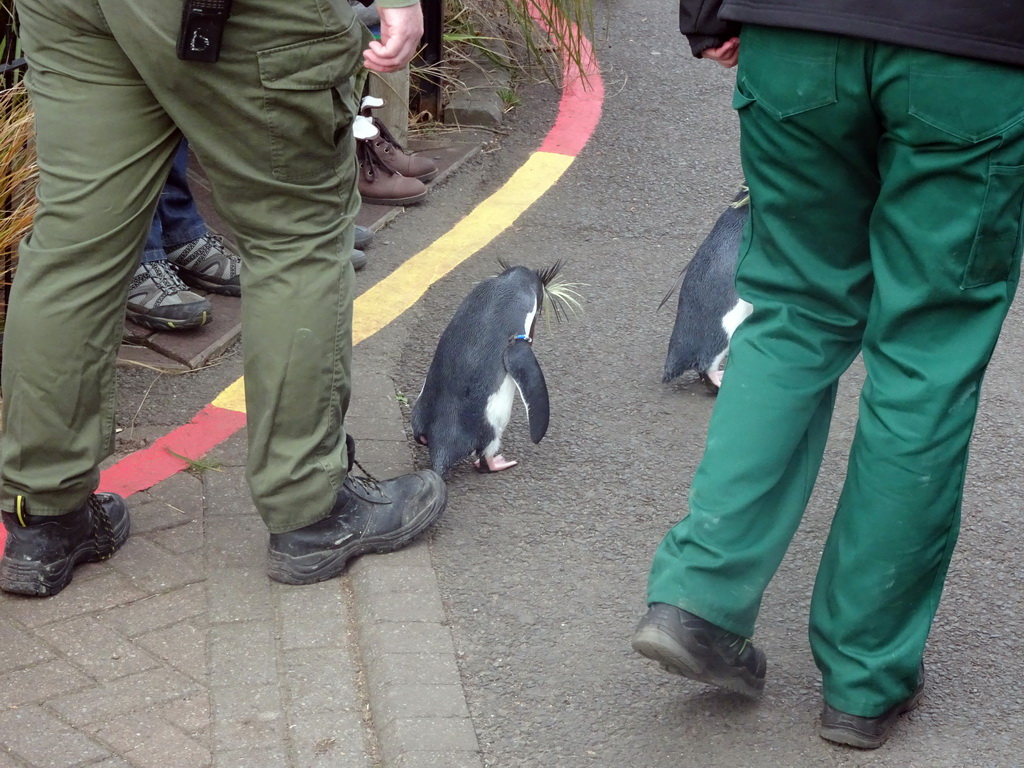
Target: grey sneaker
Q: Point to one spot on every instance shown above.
(158, 299)
(208, 264)
(358, 259)
(688, 645)
(363, 237)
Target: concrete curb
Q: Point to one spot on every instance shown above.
(418, 708)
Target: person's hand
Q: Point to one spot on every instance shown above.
(400, 33)
(727, 54)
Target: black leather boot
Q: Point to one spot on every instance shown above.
(688, 645)
(368, 516)
(42, 551)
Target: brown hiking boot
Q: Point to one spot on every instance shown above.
(379, 184)
(391, 153)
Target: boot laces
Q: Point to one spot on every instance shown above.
(366, 480)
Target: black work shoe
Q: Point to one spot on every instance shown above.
(41, 552)
(866, 732)
(688, 645)
(368, 516)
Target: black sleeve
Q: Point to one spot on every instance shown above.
(698, 20)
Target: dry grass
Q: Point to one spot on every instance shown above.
(502, 34)
(18, 175)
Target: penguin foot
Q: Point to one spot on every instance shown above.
(712, 380)
(493, 464)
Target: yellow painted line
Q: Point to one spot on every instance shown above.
(232, 398)
(388, 299)
(393, 295)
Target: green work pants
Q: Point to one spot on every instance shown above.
(271, 125)
(887, 190)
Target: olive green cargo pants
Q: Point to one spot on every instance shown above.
(271, 125)
(887, 190)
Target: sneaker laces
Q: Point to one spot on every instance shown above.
(164, 277)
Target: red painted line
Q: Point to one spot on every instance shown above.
(578, 114)
(582, 94)
(148, 466)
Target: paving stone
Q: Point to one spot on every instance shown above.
(378, 583)
(22, 649)
(83, 596)
(126, 694)
(403, 607)
(405, 701)
(263, 757)
(146, 739)
(325, 740)
(246, 716)
(238, 594)
(245, 651)
(41, 682)
(378, 412)
(416, 555)
(405, 637)
(236, 541)
(191, 714)
(451, 759)
(227, 493)
(413, 668)
(181, 539)
(183, 646)
(96, 649)
(312, 616)
(322, 679)
(157, 611)
(39, 738)
(156, 514)
(156, 570)
(9, 761)
(233, 452)
(428, 734)
(154, 743)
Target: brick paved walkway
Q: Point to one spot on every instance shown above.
(179, 651)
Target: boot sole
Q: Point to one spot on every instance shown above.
(321, 566)
(38, 580)
(394, 200)
(164, 324)
(675, 658)
(208, 285)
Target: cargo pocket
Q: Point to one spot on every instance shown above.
(1000, 237)
(786, 72)
(308, 103)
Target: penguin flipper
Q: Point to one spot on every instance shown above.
(522, 365)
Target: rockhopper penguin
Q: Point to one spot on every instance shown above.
(709, 309)
(483, 358)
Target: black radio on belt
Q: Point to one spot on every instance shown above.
(202, 27)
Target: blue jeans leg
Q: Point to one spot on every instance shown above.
(179, 218)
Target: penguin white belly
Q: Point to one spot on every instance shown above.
(730, 322)
(497, 412)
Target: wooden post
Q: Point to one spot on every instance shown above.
(393, 87)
